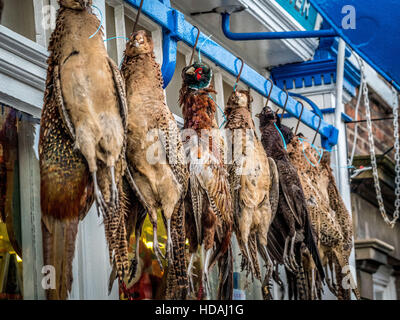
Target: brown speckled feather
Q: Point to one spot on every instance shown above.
(159, 184)
(65, 146)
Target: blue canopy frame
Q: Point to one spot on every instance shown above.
(375, 37)
(176, 28)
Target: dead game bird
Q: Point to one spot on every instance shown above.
(209, 190)
(329, 215)
(291, 233)
(161, 183)
(254, 183)
(82, 138)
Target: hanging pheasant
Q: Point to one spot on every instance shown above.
(209, 186)
(81, 143)
(328, 214)
(339, 260)
(161, 183)
(254, 184)
(291, 236)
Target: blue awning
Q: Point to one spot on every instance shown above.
(376, 37)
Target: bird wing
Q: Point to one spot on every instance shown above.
(291, 188)
(213, 179)
(274, 186)
(66, 191)
(119, 83)
(341, 214)
(172, 141)
(60, 104)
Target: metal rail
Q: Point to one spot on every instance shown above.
(272, 35)
(175, 29)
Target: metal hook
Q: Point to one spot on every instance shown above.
(137, 17)
(284, 106)
(319, 125)
(239, 74)
(301, 114)
(195, 44)
(270, 91)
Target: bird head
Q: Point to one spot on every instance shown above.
(266, 116)
(139, 42)
(239, 99)
(75, 4)
(197, 76)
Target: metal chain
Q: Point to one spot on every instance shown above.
(373, 156)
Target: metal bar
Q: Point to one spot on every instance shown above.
(309, 101)
(339, 109)
(173, 22)
(325, 33)
(377, 119)
(355, 46)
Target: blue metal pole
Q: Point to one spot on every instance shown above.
(272, 35)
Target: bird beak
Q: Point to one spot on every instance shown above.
(258, 115)
(191, 70)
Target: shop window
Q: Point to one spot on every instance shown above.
(227, 91)
(10, 213)
(149, 280)
(175, 85)
(18, 16)
(110, 32)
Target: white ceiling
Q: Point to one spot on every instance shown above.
(258, 54)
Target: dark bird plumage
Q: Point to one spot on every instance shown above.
(291, 234)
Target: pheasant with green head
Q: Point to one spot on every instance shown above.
(197, 76)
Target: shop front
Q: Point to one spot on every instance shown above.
(306, 67)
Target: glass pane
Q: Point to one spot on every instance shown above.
(18, 15)
(110, 30)
(175, 85)
(10, 213)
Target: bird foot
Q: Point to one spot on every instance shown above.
(206, 284)
(101, 204)
(157, 251)
(286, 260)
(191, 274)
(170, 245)
(114, 189)
(292, 257)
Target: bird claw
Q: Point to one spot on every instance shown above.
(170, 245)
(158, 253)
(114, 189)
(206, 284)
(101, 204)
(170, 249)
